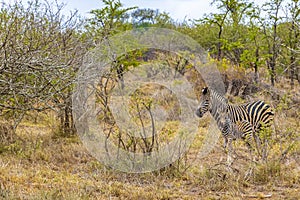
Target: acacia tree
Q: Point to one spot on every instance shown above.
(230, 27)
(145, 17)
(270, 30)
(294, 36)
(219, 21)
(40, 51)
(235, 37)
(109, 20)
(251, 56)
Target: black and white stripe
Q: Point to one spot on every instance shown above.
(235, 121)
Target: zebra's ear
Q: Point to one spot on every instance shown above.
(205, 90)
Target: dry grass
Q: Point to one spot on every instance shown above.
(45, 165)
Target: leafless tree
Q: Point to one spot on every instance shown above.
(40, 51)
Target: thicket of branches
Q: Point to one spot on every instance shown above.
(40, 52)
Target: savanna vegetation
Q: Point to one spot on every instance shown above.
(255, 48)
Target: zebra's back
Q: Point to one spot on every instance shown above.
(256, 113)
(260, 114)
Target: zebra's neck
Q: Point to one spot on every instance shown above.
(218, 105)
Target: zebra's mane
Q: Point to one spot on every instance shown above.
(222, 102)
(219, 104)
(219, 99)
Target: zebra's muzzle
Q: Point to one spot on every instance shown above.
(198, 113)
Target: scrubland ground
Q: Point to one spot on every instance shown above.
(42, 164)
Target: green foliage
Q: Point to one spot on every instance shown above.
(239, 31)
(264, 173)
(205, 34)
(151, 18)
(109, 20)
(284, 103)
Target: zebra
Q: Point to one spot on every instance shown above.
(235, 121)
(232, 131)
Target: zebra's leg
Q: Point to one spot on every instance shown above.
(258, 144)
(249, 172)
(264, 138)
(247, 139)
(229, 153)
(225, 143)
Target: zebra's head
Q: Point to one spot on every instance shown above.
(204, 102)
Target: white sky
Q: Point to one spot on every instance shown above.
(178, 9)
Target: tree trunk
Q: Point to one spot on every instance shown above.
(272, 66)
(297, 74)
(293, 40)
(274, 55)
(66, 118)
(293, 66)
(256, 65)
(219, 44)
